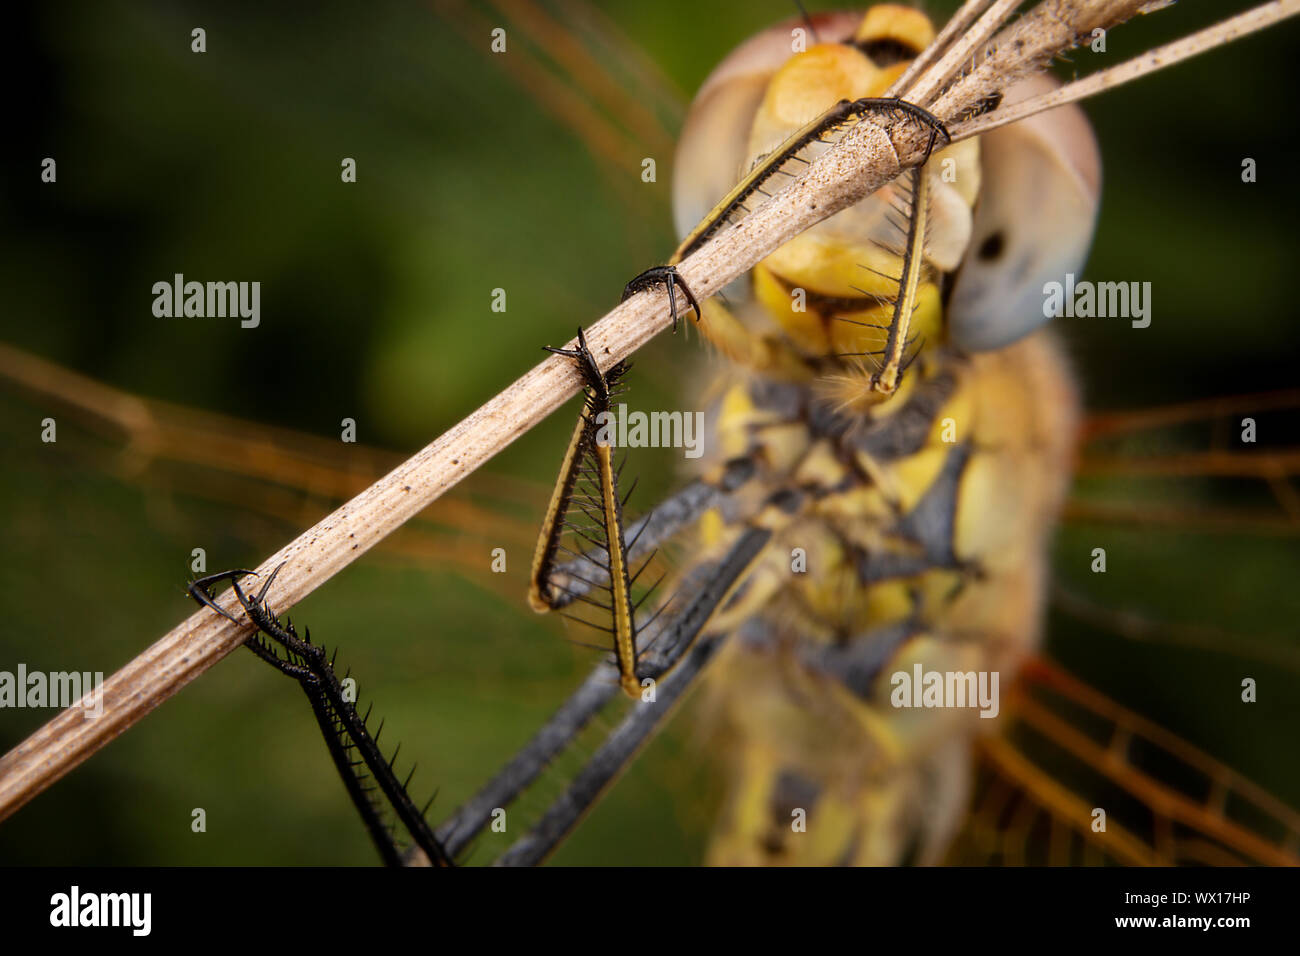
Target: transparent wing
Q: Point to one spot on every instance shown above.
(102, 525)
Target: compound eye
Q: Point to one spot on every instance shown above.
(713, 146)
(1037, 206)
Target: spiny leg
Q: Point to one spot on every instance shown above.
(596, 397)
(885, 381)
(673, 638)
(337, 717)
(330, 726)
(676, 658)
(572, 579)
(734, 206)
(590, 456)
(669, 278)
(198, 589)
(321, 667)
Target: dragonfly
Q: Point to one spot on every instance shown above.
(273, 478)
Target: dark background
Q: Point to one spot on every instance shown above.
(375, 306)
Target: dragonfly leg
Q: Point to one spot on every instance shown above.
(198, 589)
(600, 381)
(920, 114)
(587, 504)
(573, 579)
(343, 728)
(672, 660)
(671, 279)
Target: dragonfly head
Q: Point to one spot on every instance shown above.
(1003, 215)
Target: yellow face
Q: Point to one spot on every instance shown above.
(845, 266)
(1001, 215)
(827, 296)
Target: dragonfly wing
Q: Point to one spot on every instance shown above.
(1156, 799)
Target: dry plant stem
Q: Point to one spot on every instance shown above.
(867, 157)
(955, 27)
(1027, 46)
(1208, 39)
(963, 47)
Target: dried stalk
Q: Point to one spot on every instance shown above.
(956, 27)
(1221, 33)
(963, 47)
(868, 157)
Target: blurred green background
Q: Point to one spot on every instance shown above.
(476, 171)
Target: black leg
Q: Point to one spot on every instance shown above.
(343, 728)
(198, 589)
(671, 279)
